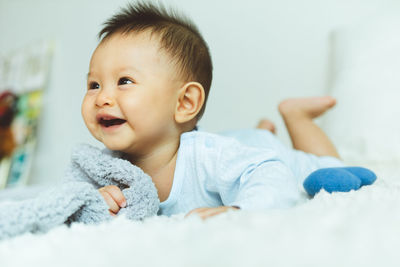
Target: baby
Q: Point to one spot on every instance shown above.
(147, 88)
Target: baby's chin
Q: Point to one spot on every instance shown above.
(115, 146)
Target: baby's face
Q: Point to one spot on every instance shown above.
(132, 92)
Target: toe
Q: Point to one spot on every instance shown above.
(266, 125)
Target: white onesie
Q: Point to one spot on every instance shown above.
(250, 169)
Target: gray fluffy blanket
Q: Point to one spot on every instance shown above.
(77, 199)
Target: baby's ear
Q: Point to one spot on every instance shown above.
(190, 101)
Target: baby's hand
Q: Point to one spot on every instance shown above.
(114, 198)
(205, 213)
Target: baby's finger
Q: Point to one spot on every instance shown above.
(194, 211)
(212, 212)
(112, 213)
(204, 214)
(116, 194)
(207, 213)
(113, 206)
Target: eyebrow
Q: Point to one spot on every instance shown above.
(131, 68)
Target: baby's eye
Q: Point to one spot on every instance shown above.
(93, 85)
(124, 80)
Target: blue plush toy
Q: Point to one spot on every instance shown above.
(341, 179)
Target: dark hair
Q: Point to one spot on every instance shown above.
(178, 36)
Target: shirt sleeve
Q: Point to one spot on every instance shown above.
(254, 179)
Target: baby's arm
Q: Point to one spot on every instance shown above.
(114, 198)
(251, 179)
(269, 185)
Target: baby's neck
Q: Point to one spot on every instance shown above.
(160, 165)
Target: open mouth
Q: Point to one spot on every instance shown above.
(110, 121)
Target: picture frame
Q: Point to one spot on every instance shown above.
(25, 74)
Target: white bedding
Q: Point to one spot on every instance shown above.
(359, 228)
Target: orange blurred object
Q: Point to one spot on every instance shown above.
(7, 143)
(7, 111)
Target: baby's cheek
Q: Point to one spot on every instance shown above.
(87, 112)
(84, 110)
(90, 122)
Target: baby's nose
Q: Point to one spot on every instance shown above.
(104, 98)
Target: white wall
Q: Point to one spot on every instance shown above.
(263, 51)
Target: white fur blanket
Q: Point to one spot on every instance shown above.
(77, 199)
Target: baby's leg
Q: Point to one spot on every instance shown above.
(298, 114)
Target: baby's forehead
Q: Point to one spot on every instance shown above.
(134, 38)
(141, 49)
(141, 41)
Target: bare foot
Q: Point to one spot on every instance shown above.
(310, 107)
(267, 125)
